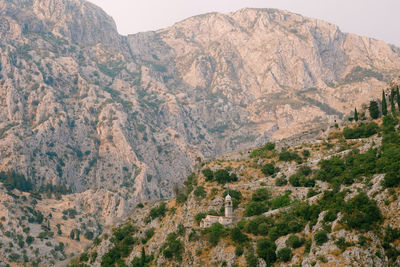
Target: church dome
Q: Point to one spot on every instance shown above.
(228, 197)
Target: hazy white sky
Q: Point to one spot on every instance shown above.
(374, 18)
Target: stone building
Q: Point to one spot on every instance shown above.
(226, 220)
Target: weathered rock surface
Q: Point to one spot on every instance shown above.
(88, 108)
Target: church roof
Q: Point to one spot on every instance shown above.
(228, 197)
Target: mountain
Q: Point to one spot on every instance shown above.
(318, 202)
(87, 109)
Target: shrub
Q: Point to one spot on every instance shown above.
(362, 131)
(269, 169)
(342, 244)
(208, 174)
(214, 233)
(255, 208)
(330, 216)
(173, 247)
(361, 213)
(158, 211)
(199, 216)
(281, 182)
(289, 156)
(239, 251)
(237, 236)
(199, 192)
(294, 241)
(281, 201)
(284, 254)
(266, 250)
(223, 176)
(392, 179)
(263, 151)
(30, 239)
(306, 153)
(320, 238)
(261, 194)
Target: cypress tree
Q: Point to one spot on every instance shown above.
(384, 104)
(374, 110)
(398, 96)
(355, 114)
(392, 105)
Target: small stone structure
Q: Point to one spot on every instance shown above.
(226, 220)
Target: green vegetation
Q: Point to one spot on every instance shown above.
(223, 176)
(258, 203)
(300, 178)
(266, 250)
(263, 152)
(364, 130)
(123, 245)
(289, 156)
(269, 169)
(173, 247)
(374, 110)
(214, 233)
(158, 212)
(284, 255)
(384, 104)
(12, 180)
(294, 241)
(320, 238)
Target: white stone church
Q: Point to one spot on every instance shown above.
(226, 220)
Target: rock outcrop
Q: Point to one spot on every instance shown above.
(85, 107)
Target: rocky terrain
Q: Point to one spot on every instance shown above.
(85, 107)
(334, 204)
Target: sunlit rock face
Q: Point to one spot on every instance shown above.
(88, 108)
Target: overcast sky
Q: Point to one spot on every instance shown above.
(379, 19)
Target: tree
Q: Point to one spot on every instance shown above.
(392, 105)
(209, 174)
(266, 250)
(355, 114)
(384, 104)
(373, 109)
(285, 254)
(398, 96)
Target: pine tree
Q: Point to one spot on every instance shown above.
(384, 104)
(355, 114)
(374, 110)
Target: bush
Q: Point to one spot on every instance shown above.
(214, 233)
(199, 192)
(294, 241)
(266, 250)
(261, 194)
(281, 182)
(306, 153)
(320, 238)
(199, 216)
(330, 216)
(362, 131)
(263, 151)
(269, 169)
(239, 251)
(281, 201)
(237, 236)
(173, 247)
(208, 174)
(223, 176)
(392, 179)
(361, 213)
(158, 211)
(255, 208)
(284, 254)
(289, 156)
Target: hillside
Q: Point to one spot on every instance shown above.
(328, 201)
(97, 113)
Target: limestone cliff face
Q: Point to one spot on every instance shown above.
(83, 106)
